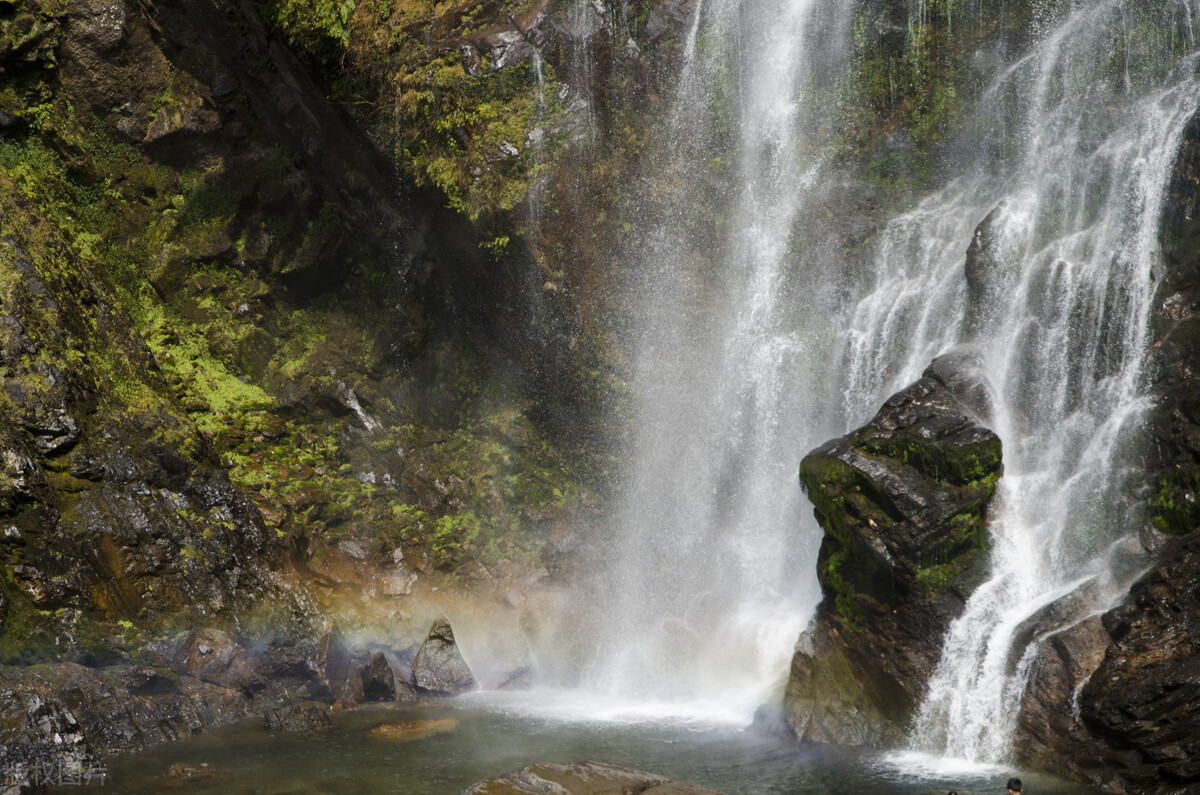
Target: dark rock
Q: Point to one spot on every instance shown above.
(1062, 613)
(143, 680)
(831, 698)
(1049, 710)
(903, 502)
(379, 683)
(989, 276)
(439, 668)
(40, 734)
(306, 717)
(336, 673)
(583, 778)
(1139, 706)
(770, 720)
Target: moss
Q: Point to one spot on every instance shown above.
(28, 635)
(960, 464)
(847, 606)
(1175, 506)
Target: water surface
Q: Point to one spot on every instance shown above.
(499, 733)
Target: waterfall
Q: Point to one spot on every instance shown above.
(752, 339)
(709, 579)
(1060, 209)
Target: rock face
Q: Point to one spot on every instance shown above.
(439, 669)
(903, 502)
(1142, 699)
(583, 778)
(1131, 679)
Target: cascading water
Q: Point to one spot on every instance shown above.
(708, 583)
(1058, 286)
(744, 359)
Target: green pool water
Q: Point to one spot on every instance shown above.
(494, 734)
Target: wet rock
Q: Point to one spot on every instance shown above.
(1062, 613)
(398, 581)
(413, 730)
(209, 653)
(583, 778)
(1139, 706)
(306, 717)
(202, 771)
(1049, 710)
(903, 502)
(18, 476)
(990, 275)
(834, 698)
(439, 668)
(379, 683)
(40, 734)
(337, 675)
(142, 680)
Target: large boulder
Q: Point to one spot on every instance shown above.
(439, 668)
(584, 778)
(903, 502)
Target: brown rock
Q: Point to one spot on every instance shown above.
(584, 778)
(413, 730)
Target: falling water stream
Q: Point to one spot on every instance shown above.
(1057, 298)
(709, 581)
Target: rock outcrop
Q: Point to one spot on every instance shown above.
(583, 778)
(903, 502)
(439, 668)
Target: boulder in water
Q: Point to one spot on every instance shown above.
(439, 668)
(413, 730)
(583, 778)
(903, 502)
(305, 717)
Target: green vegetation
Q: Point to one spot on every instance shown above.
(961, 464)
(454, 119)
(1175, 506)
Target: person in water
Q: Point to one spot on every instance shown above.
(1014, 786)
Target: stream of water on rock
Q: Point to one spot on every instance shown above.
(1073, 150)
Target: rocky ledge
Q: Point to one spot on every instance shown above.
(903, 502)
(69, 718)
